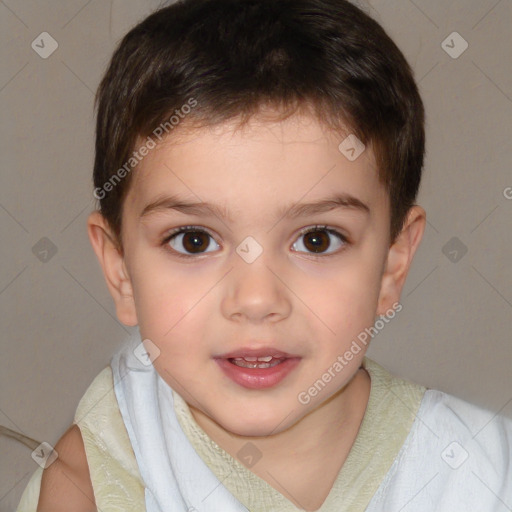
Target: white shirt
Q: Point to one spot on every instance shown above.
(456, 457)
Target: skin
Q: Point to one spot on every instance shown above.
(66, 483)
(307, 304)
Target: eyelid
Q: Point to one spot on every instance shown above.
(181, 229)
(324, 227)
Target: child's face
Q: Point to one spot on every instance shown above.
(215, 301)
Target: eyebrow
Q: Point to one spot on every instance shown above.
(293, 211)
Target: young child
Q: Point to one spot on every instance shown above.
(257, 166)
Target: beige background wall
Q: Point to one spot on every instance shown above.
(58, 323)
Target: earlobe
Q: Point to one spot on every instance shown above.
(399, 259)
(113, 265)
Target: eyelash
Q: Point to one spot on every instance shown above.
(197, 229)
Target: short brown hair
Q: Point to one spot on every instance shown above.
(231, 57)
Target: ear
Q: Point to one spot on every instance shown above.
(112, 262)
(399, 259)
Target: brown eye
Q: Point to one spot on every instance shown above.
(318, 240)
(193, 241)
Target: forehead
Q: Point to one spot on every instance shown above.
(261, 166)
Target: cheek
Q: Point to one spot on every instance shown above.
(173, 313)
(163, 300)
(344, 301)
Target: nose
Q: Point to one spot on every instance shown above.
(256, 292)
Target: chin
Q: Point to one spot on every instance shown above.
(255, 426)
(251, 430)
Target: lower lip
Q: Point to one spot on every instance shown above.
(258, 378)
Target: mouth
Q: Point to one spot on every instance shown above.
(257, 368)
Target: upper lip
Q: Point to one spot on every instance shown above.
(256, 352)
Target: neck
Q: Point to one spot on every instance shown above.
(317, 444)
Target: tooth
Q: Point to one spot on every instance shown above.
(266, 359)
(251, 358)
(246, 364)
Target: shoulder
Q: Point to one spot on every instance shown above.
(106, 440)
(464, 418)
(465, 449)
(96, 465)
(66, 483)
(484, 434)
(455, 454)
(101, 386)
